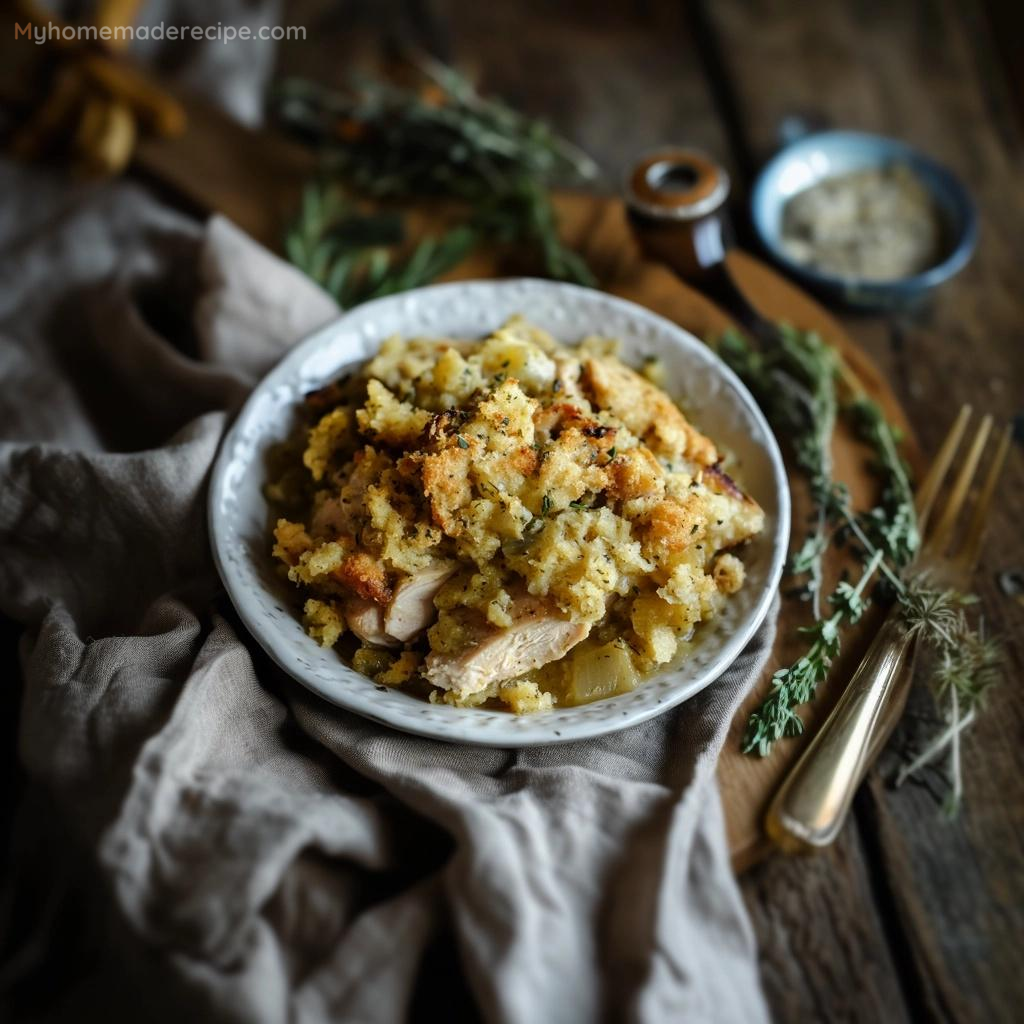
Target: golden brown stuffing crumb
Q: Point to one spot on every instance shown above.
(323, 621)
(728, 573)
(388, 420)
(364, 575)
(401, 670)
(524, 697)
(330, 433)
(292, 541)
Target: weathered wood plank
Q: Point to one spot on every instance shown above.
(823, 955)
(616, 78)
(954, 891)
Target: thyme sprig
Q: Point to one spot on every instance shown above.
(795, 684)
(444, 139)
(796, 381)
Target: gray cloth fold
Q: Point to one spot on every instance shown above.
(247, 852)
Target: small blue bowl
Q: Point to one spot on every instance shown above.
(827, 154)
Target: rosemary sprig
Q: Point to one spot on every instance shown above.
(351, 254)
(795, 381)
(392, 143)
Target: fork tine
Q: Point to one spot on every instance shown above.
(940, 538)
(972, 545)
(940, 466)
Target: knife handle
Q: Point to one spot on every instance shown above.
(809, 809)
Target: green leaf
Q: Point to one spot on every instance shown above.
(848, 600)
(337, 276)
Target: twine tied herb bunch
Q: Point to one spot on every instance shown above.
(798, 380)
(395, 144)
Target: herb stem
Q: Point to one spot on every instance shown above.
(877, 561)
(953, 800)
(858, 532)
(817, 565)
(934, 748)
(391, 143)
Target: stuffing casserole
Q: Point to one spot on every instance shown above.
(509, 520)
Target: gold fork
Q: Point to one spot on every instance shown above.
(811, 805)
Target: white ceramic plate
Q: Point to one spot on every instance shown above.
(707, 390)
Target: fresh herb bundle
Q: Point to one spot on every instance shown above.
(797, 382)
(444, 140)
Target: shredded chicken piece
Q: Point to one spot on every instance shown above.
(412, 608)
(366, 619)
(646, 410)
(537, 636)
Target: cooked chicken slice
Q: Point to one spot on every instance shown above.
(536, 636)
(412, 608)
(330, 518)
(732, 515)
(567, 378)
(720, 482)
(366, 619)
(646, 411)
(731, 521)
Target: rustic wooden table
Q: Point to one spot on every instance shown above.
(908, 916)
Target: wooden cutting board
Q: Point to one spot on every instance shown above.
(255, 178)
